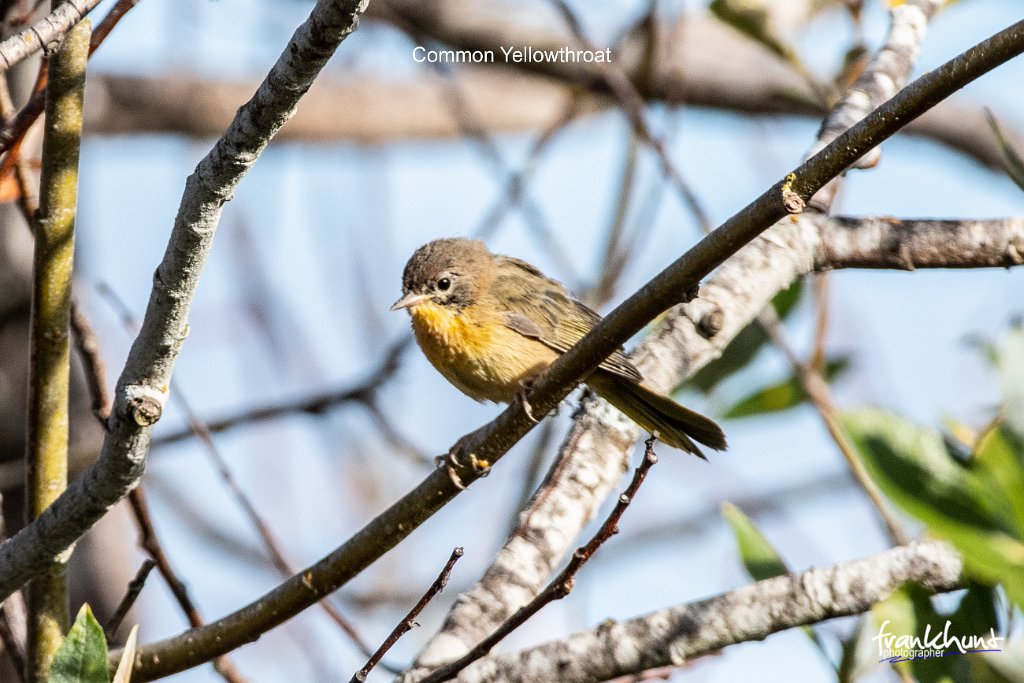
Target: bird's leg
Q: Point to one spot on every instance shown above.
(460, 456)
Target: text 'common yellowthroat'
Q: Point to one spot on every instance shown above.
(489, 323)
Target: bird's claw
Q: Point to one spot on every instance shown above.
(460, 457)
(522, 398)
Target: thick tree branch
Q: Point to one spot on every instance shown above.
(923, 243)
(49, 342)
(141, 389)
(672, 636)
(492, 441)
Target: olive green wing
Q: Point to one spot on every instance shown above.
(543, 309)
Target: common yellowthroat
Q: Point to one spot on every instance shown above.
(491, 324)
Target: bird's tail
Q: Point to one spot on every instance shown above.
(674, 424)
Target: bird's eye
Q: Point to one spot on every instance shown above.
(444, 284)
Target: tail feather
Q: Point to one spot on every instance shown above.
(674, 424)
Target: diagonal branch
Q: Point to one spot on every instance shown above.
(490, 443)
(141, 389)
(45, 33)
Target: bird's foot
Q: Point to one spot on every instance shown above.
(461, 457)
(522, 397)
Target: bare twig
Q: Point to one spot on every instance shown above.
(45, 33)
(632, 105)
(13, 620)
(150, 542)
(14, 130)
(14, 648)
(817, 390)
(361, 392)
(140, 395)
(87, 344)
(816, 360)
(409, 622)
(561, 585)
(516, 182)
(13, 617)
(135, 587)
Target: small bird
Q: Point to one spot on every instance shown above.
(491, 324)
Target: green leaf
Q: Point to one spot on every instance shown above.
(758, 555)
(978, 610)
(860, 652)
(911, 466)
(783, 395)
(745, 345)
(754, 20)
(785, 301)
(998, 464)
(82, 657)
(1013, 164)
(1010, 365)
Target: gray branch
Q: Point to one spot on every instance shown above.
(596, 451)
(45, 33)
(845, 242)
(672, 636)
(142, 388)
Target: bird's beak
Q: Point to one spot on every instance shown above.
(408, 300)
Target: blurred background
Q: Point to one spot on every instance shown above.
(331, 414)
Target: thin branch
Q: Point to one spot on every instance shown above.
(821, 398)
(409, 622)
(46, 458)
(87, 344)
(13, 616)
(150, 542)
(679, 634)
(490, 443)
(632, 105)
(816, 360)
(141, 390)
(12, 634)
(516, 183)
(135, 587)
(360, 392)
(562, 584)
(881, 79)
(14, 130)
(45, 33)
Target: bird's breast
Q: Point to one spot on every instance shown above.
(481, 356)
